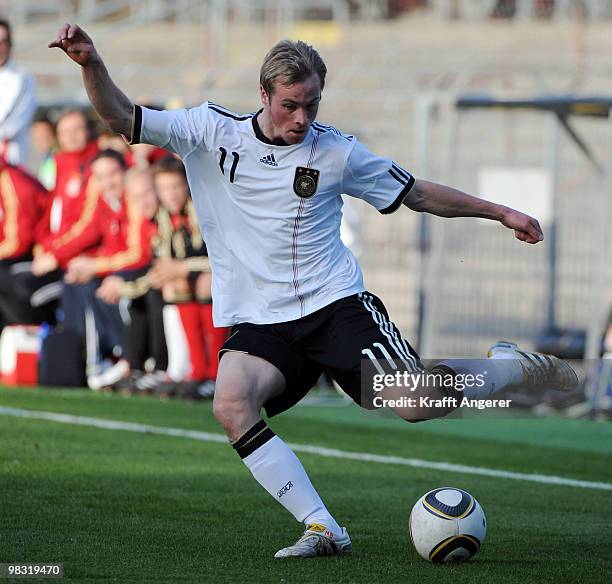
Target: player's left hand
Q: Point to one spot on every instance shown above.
(526, 228)
(76, 43)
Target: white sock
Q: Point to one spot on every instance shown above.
(278, 470)
(493, 374)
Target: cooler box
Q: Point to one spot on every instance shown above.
(19, 350)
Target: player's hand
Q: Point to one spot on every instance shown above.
(526, 228)
(76, 43)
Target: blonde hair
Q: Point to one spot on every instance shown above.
(291, 62)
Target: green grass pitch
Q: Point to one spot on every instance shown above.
(118, 506)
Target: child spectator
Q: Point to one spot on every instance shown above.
(145, 337)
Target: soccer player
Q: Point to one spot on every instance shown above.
(267, 187)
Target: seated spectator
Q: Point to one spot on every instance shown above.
(181, 271)
(24, 299)
(44, 146)
(111, 240)
(144, 339)
(73, 198)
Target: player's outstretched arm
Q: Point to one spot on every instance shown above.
(108, 100)
(437, 199)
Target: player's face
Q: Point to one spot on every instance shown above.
(109, 174)
(172, 191)
(142, 192)
(290, 109)
(5, 46)
(72, 132)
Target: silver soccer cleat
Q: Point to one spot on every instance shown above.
(318, 541)
(540, 371)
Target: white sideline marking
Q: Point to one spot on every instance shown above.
(307, 448)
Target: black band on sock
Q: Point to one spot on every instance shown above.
(252, 439)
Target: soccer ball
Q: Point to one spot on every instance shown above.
(447, 525)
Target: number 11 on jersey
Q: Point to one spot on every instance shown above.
(236, 158)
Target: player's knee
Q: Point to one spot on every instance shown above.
(230, 408)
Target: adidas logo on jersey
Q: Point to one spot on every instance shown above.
(269, 160)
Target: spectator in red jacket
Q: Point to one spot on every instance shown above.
(73, 198)
(23, 200)
(113, 239)
(145, 339)
(180, 272)
(115, 229)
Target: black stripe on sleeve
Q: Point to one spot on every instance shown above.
(399, 200)
(397, 177)
(400, 170)
(137, 125)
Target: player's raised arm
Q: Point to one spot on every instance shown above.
(111, 104)
(437, 199)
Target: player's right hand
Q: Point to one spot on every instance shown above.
(76, 43)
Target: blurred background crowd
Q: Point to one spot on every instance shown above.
(99, 241)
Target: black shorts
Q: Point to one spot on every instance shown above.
(334, 339)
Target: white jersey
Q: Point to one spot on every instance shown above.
(270, 214)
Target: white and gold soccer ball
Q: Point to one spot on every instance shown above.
(447, 525)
